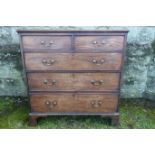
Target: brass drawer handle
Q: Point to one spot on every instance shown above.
(49, 82)
(51, 104)
(96, 43)
(48, 62)
(98, 62)
(96, 103)
(97, 82)
(49, 44)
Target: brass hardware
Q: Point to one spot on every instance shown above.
(44, 61)
(49, 82)
(45, 81)
(42, 42)
(47, 44)
(51, 104)
(101, 81)
(54, 102)
(97, 82)
(51, 42)
(98, 43)
(93, 81)
(94, 42)
(47, 102)
(96, 103)
(98, 62)
(94, 61)
(48, 62)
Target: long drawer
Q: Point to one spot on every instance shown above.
(85, 102)
(73, 61)
(73, 81)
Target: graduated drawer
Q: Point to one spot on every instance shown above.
(74, 61)
(37, 43)
(73, 81)
(99, 43)
(67, 102)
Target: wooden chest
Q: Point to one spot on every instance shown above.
(73, 72)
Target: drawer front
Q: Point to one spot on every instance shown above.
(99, 43)
(76, 61)
(86, 102)
(73, 81)
(46, 43)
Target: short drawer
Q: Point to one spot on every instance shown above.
(99, 43)
(75, 61)
(37, 43)
(73, 81)
(67, 102)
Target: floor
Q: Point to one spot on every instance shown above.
(133, 115)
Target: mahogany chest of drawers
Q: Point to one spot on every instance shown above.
(73, 72)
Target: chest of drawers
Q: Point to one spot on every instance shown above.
(73, 72)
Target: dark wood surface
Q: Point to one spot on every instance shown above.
(96, 43)
(85, 102)
(73, 72)
(80, 43)
(73, 81)
(46, 42)
(72, 31)
(74, 61)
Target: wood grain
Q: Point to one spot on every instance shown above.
(60, 66)
(99, 43)
(73, 102)
(46, 42)
(44, 32)
(73, 81)
(75, 61)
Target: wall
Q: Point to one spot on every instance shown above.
(139, 68)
